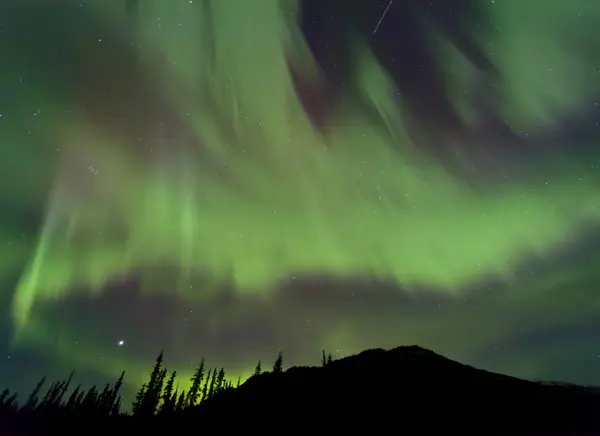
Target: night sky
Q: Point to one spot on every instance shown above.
(224, 179)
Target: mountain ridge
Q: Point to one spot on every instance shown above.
(429, 390)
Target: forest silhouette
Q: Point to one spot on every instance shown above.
(408, 388)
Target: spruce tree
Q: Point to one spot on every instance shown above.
(168, 401)
(50, 396)
(206, 383)
(11, 403)
(72, 400)
(33, 399)
(194, 392)
(116, 408)
(115, 395)
(54, 396)
(136, 407)
(153, 393)
(258, 369)
(4, 396)
(174, 397)
(213, 379)
(158, 392)
(181, 402)
(104, 399)
(278, 365)
(89, 403)
(220, 382)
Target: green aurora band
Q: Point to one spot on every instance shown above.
(266, 197)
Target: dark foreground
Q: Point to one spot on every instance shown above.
(407, 390)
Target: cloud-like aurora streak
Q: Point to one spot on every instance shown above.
(231, 183)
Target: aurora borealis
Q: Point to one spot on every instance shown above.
(164, 187)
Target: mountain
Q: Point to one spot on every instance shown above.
(409, 389)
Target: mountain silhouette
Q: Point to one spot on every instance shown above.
(409, 387)
(406, 390)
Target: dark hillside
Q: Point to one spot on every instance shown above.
(407, 390)
(416, 386)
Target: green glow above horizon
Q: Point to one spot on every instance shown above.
(268, 198)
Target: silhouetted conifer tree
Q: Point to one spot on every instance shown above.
(50, 396)
(158, 392)
(220, 382)
(168, 397)
(206, 383)
(4, 396)
(90, 401)
(74, 400)
(33, 398)
(10, 403)
(65, 387)
(326, 359)
(175, 397)
(115, 395)
(258, 369)
(116, 409)
(136, 407)
(79, 399)
(278, 365)
(180, 402)
(213, 379)
(104, 403)
(193, 394)
(54, 395)
(151, 399)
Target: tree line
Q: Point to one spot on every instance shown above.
(160, 395)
